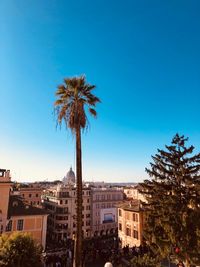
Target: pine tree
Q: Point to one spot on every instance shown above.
(145, 261)
(173, 202)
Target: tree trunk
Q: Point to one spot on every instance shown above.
(79, 235)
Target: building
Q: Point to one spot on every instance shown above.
(17, 215)
(130, 223)
(132, 193)
(5, 185)
(99, 209)
(27, 218)
(104, 210)
(31, 195)
(60, 201)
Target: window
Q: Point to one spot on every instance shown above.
(127, 215)
(135, 217)
(120, 226)
(64, 194)
(135, 234)
(61, 202)
(88, 200)
(30, 195)
(9, 226)
(87, 223)
(87, 215)
(128, 231)
(65, 226)
(36, 195)
(120, 212)
(65, 210)
(66, 201)
(20, 224)
(119, 197)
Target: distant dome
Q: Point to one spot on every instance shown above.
(70, 177)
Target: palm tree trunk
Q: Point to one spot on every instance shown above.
(79, 235)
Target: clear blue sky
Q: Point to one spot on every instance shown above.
(144, 58)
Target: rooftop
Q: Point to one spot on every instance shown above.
(5, 176)
(17, 207)
(134, 205)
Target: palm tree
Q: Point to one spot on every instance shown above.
(72, 97)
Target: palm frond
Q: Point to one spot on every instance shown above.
(73, 96)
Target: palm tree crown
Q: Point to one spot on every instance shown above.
(73, 96)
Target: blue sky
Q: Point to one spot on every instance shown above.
(143, 56)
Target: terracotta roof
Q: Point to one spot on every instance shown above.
(17, 207)
(133, 205)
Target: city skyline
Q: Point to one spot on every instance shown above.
(144, 59)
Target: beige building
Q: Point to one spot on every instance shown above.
(61, 203)
(132, 192)
(104, 210)
(99, 209)
(130, 223)
(17, 215)
(32, 195)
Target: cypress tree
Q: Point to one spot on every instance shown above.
(173, 202)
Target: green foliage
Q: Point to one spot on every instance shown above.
(173, 195)
(19, 250)
(145, 261)
(73, 97)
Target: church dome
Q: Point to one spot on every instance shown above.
(70, 177)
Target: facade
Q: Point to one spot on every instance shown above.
(31, 195)
(5, 185)
(99, 209)
(17, 215)
(130, 223)
(26, 218)
(104, 209)
(132, 193)
(60, 202)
